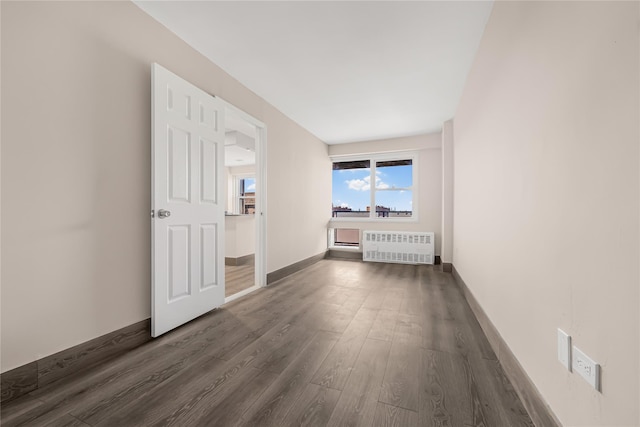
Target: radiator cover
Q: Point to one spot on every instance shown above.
(403, 247)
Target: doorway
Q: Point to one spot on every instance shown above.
(244, 152)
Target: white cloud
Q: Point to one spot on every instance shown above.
(344, 205)
(359, 184)
(365, 183)
(251, 187)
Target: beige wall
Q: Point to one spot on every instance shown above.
(547, 195)
(299, 172)
(446, 251)
(76, 168)
(429, 182)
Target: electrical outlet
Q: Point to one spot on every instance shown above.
(564, 349)
(586, 367)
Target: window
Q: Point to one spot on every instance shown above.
(344, 238)
(392, 194)
(246, 195)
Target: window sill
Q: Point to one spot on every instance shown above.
(346, 248)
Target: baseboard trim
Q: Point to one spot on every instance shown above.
(276, 275)
(19, 381)
(538, 409)
(24, 379)
(243, 260)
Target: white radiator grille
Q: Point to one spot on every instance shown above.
(405, 247)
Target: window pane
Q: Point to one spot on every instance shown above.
(394, 174)
(394, 163)
(355, 164)
(351, 189)
(394, 204)
(247, 206)
(394, 180)
(247, 196)
(247, 186)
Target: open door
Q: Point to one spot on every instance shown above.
(187, 202)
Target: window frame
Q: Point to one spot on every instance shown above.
(237, 182)
(377, 157)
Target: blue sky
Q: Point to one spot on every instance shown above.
(250, 185)
(351, 187)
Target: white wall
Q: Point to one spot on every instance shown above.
(429, 182)
(76, 170)
(240, 235)
(546, 214)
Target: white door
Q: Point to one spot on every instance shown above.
(187, 202)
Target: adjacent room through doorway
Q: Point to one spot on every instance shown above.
(241, 226)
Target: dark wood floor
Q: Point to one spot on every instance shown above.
(341, 343)
(238, 278)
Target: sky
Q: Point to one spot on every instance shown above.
(250, 185)
(351, 188)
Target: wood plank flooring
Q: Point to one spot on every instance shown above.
(340, 343)
(238, 278)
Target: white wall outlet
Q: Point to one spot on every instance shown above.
(564, 349)
(586, 367)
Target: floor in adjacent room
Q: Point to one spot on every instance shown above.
(238, 278)
(339, 343)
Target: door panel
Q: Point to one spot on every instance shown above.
(179, 261)
(209, 249)
(179, 171)
(208, 183)
(187, 167)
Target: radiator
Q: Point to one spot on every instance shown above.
(404, 247)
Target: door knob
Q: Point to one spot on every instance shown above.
(164, 213)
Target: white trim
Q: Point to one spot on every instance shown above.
(244, 116)
(261, 205)
(261, 194)
(346, 248)
(242, 293)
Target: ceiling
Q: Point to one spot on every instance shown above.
(345, 71)
(239, 148)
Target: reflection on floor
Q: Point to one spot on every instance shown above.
(238, 278)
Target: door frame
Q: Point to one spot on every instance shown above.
(260, 280)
